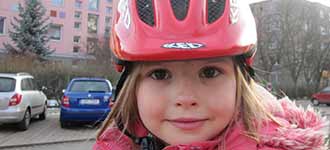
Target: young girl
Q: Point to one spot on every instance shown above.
(187, 83)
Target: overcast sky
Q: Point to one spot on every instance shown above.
(324, 2)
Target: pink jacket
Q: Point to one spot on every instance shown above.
(301, 130)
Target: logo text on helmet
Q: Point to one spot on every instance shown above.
(123, 9)
(183, 45)
(234, 11)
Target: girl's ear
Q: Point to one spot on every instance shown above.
(139, 129)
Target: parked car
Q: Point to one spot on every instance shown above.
(52, 103)
(85, 100)
(20, 99)
(322, 97)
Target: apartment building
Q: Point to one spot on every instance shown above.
(76, 25)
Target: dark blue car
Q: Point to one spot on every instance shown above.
(85, 100)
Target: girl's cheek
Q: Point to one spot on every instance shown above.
(149, 96)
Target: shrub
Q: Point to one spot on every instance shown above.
(55, 75)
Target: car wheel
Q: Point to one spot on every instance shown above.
(64, 124)
(43, 115)
(315, 102)
(24, 124)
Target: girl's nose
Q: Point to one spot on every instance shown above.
(186, 102)
(186, 91)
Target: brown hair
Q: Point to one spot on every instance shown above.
(125, 108)
(248, 105)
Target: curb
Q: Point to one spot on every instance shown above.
(45, 143)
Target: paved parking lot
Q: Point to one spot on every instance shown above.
(324, 109)
(44, 132)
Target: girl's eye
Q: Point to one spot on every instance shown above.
(209, 72)
(160, 74)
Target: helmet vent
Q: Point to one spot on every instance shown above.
(146, 11)
(180, 8)
(215, 9)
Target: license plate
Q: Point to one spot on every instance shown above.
(89, 101)
(3, 104)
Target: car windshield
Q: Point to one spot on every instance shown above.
(52, 101)
(327, 89)
(7, 84)
(89, 86)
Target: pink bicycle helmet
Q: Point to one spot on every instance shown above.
(156, 30)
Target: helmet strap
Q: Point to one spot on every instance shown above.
(121, 81)
(147, 142)
(251, 71)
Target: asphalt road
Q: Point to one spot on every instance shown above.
(79, 145)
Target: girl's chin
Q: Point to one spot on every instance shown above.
(186, 139)
(182, 140)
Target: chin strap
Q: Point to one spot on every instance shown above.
(145, 143)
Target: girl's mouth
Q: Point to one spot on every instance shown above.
(187, 123)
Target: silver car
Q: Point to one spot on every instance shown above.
(52, 103)
(20, 100)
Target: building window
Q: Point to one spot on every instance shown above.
(77, 25)
(107, 32)
(310, 46)
(323, 46)
(2, 25)
(321, 14)
(14, 8)
(53, 13)
(92, 23)
(76, 49)
(55, 32)
(75, 63)
(76, 39)
(107, 26)
(323, 31)
(93, 5)
(77, 14)
(306, 26)
(91, 45)
(78, 4)
(62, 14)
(273, 45)
(107, 21)
(58, 2)
(108, 10)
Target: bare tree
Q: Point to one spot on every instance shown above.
(268, 39)
(318, 46)
(293, 35)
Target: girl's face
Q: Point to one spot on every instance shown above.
(187, 101)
